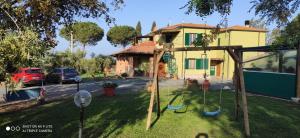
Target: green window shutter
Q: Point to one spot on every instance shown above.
(198, 63)
(199, 37)
(186, 63)
(187, 39)
(206, 63)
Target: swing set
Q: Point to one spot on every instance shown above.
(205, 86)
(235, 52)
(167, 57)
(236, 56)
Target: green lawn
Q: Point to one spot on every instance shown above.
(125, 116)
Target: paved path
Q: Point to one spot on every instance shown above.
(125, 86)
(57, 90)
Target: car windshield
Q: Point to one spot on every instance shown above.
(32, 71)
(70, 71)
(57, 71)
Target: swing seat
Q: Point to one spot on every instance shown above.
(213, 113)
(176, 107)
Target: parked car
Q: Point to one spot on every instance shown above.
(62, 75)
(28, 76)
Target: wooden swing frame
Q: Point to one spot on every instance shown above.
(236, 53)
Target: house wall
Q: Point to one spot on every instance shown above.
(124, 64)
(127, 64)
(244, 38)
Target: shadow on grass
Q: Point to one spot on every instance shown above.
(268, 117)
(104, 117)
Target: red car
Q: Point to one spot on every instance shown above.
(29, 76)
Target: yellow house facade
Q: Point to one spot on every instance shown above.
(194, 64)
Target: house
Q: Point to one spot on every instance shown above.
(193, 64)
(129, 60)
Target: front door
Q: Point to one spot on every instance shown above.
(212, 70)
(218, 70)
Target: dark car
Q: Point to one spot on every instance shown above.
(62, 75)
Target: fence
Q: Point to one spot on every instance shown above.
(282, 85)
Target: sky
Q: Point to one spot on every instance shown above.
(162, 12)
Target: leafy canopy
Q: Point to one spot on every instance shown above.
(290, 35)
(278, 11)
(86, 33)
(121, 35)
(45, 15)
(20, 50)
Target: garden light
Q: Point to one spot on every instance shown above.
(82, 99)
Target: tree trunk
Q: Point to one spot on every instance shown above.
(83, 47)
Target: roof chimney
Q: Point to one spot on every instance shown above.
(247, 23)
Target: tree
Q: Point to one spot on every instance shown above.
(258, 23)
(271, 36)
(144, 67)
(138, 29)
(86, 33)
(120, 35)
(45, 15)
(290, 35)
(278, 11)
(20, 49)
(153, 27)
(93, 55)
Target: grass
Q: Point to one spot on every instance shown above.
(125, 116)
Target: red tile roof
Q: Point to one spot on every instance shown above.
(146, 47)
(185, 25)
(206, 26)
(243, 28)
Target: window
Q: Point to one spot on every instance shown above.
(192, 64)
(198, 63)
(56, 71)
(219, 41)
(33, 71)
(70, 71)
(191, 37)
(168, 38)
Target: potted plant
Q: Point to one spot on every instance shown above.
(109, 88)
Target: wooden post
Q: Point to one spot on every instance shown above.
(239, 59)
(153, 89)
(244, 100)
(280, 62)
(157, 97)
(157, 86)
(237, 88)
(298, 73)
(153, 62)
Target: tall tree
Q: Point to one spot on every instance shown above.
(93, 55)
(45, 15)
(86, 33)
(121, 35)
(290, 35)
(271, 36)
(138, 29)
(258, 23)
(278, 11)
(153, 27)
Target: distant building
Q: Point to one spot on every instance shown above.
(190, 64)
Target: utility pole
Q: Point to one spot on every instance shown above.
(71, 42)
